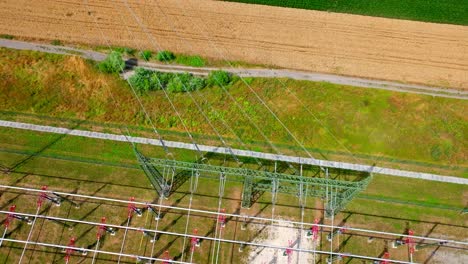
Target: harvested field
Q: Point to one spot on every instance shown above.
(380, 48)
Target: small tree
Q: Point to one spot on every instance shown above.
(165, 55)
(220, 78)
(113, 63)
(146, 55)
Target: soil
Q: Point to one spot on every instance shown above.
(370, 47)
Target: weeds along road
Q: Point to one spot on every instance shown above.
(257, 72)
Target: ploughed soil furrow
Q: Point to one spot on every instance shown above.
(370, 47)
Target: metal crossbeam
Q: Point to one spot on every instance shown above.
(261, 181)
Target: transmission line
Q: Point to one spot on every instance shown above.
(127, 228)
(105, 199)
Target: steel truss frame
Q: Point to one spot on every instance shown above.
(336, 193)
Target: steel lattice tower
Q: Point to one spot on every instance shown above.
(336, 193)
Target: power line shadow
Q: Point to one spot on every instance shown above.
(427, 261)
(35, 154)
(7, 203)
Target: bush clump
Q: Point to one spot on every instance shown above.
(56, 42)
(6, 36)
(142, 80)
(165, 55)
(147, 80)
(219, 78)
(194, 61)
(146, 55)
(125, 50)
(113, 63)
(185, 82)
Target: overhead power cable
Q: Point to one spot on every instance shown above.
(127, 228)
(125, 202)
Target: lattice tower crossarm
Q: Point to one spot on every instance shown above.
(340, 192)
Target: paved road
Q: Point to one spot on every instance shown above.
(268, 73)
(239, 152)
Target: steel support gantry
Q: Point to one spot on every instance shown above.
(336, 193)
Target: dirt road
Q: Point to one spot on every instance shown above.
(375, 48)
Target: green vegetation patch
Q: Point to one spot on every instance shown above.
(6, 36)
(379, 125)
(146, 55)
(144, 80)
(56, 42)
(113, 63)
(194, 61)
(165, 55)
(438, 11)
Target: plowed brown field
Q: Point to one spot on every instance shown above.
(379, 48)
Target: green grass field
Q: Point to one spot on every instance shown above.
(340, 122)
(445, 11)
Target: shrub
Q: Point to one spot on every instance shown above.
(147, 80)
(113, 63)
(56, 42)
(219, 78)
(194, 61)
(142, 80)
(197, 83)
(165, 55)
(126, 51)
(179, 83)
(185, 82)
(6, 36)
(164, 78)
(146, 55)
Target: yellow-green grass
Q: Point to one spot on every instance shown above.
(345, 123)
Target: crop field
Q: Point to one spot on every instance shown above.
(377, 48)
(448, 11)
